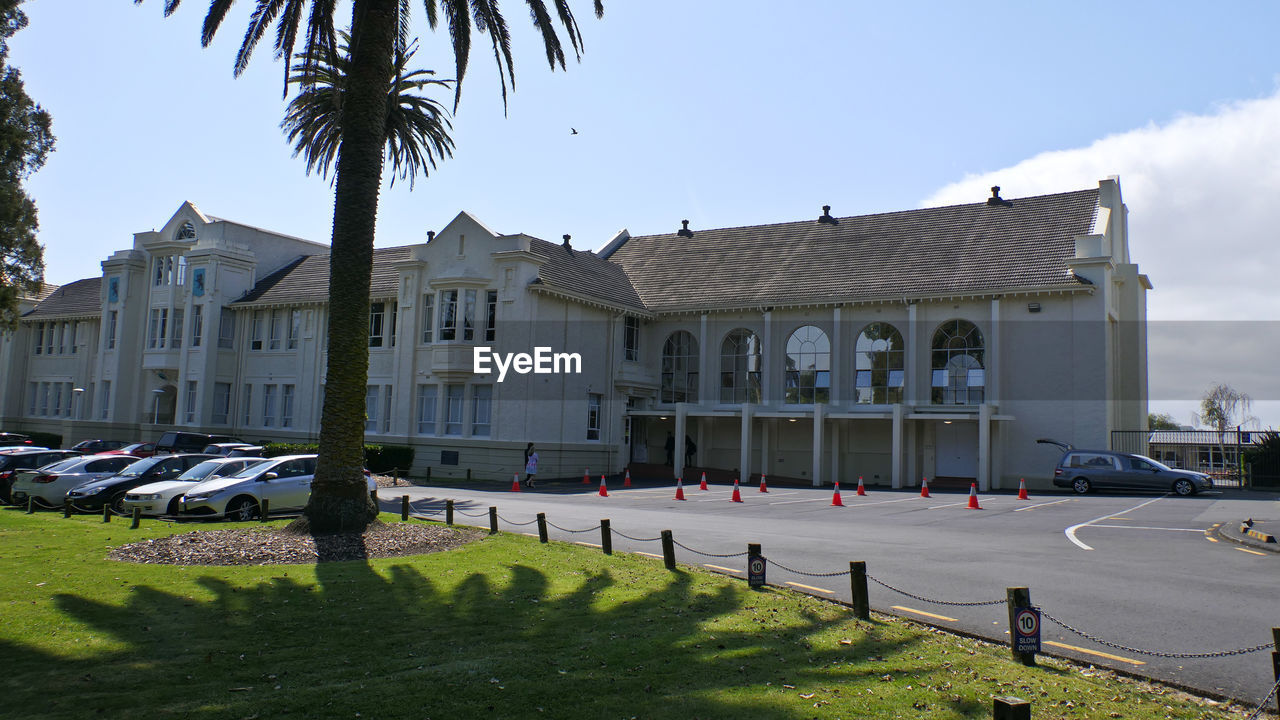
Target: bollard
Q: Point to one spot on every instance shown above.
(137, 519)
(668, 550)
(448, 512)
(106, 513)
(264, 510)
(66, 507)
(1017, 597)
(1010, 708)
(1275, 659)
(31, 505)
(542, 527)
(468, 474)
(404, 508)
(858, 584)
(493, 520)
(606, 538)
(755, 566)
(428, 473)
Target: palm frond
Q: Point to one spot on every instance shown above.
(286, 34)
(263, 15)
(570, 26)
(430, 7)
(551, 41)
(212, 20)
(488, 19)
(455, 12)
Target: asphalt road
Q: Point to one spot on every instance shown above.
(1142, 571)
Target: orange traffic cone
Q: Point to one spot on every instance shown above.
(585, 479)
(604, 491)
(861, 490)
(924, 487)
(515, 483)
(973, 497)
(703, 486)
(679, 489)
(835, 499)
(626, 483)
(737, 496)
(763, 486)
(1022, 489)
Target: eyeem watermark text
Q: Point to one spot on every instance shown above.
(541, 362)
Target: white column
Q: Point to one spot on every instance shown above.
(992, 364)
(914, 351)
(984, 447)
(705, 386)
(819, 420)
(897, 479)
(768, 361)
(837, 362)
(744, 443)
(677, 454)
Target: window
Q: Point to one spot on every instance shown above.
(295, 329)
(44, 398)
(106, 398)
(593, 415)
(75, 330)
(490, 314)
(481, 410)
(56, 405)
(469, 315)
(226, 329)
(879, 369)
(158, 328)
(197, 324)
(286, 406)
(181, 279)
(259, 329)
(275, 329)
(247, 406)
(808, 378)
(740, 367)
(371, 408)
(958, 376)
(71, 398)
(426, 409)
(680, 368)
(112, 319)
(39, 338)
(428, 305)
(221, 403)
(453, 410)
(448, 315)
(631, 338)
(48, 338)
(178, 316)
(33, 391)
(62, 338)
(386, 408)
(158, 278)
(376, 312)
(268, 405)
(186, 231)
(191, 401)
(395, 319)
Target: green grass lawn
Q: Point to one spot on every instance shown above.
(502, 628)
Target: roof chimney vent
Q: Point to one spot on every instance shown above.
(995, 200)
(431, 235)
(685, 231)
(826, 216)
(566, 244)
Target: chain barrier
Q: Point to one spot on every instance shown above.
(464, 512)
(597, 527)
(780, 566)
(937, 602)
(713, 555)
(1266, 702)
(1155, 653)
(622, 534)
(512, 522)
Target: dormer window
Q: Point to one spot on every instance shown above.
(186, 231)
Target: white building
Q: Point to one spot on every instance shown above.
(932, 343)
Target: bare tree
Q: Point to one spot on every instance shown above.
(1223, 408)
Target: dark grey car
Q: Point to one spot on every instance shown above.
(1085, 470)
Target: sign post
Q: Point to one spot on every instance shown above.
(1024, 625)
(756, 565)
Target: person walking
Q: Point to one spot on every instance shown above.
(530, 465)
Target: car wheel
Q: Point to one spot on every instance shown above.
(174, 507)
(117, 504)
(1081, 485)
(242, 509)
(1184, 487)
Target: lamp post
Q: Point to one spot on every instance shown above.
(155, 418)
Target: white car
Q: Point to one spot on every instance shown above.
(51, 483)
(162, 498)
(285, 482)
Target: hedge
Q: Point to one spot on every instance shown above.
(377, 458)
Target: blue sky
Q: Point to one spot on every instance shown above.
(731, 113)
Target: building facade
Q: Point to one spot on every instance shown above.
(935, 343)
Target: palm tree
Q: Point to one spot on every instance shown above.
(338, 499)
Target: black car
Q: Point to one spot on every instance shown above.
(8, 439)
(188, 442)
(93, 447)
(13, 461)
(110, 490)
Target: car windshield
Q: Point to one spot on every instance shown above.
(135, 446)
(1157, 463)
(200, 471)
(252, 470)
(63, 465)
(136, 469)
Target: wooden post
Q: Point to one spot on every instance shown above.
(428, 473)
(606, 537)
(858, 584)
(542, 527)
(264, 510)
(106, 513)
(66, 507)
(31, 504)
(468, 474)
(137, 519)
(1017, 597)
(1010, 708)
(493, 520)
(1275, 659)
(668, 550)
(404, 508)
(448, 512)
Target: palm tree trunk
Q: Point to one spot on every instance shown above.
(339, 495)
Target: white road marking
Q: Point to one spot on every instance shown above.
(1033, 507)
(792, 502)
(1145, 527)
(1071, 531)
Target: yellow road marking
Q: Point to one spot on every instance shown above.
(810, 587)
(1251, 552)
(579, 542)
(1094, 652)
(1117, 517)
(1210, 539)
(719, 567)
(639, 552)
(921, 612)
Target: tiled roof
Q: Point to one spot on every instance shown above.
(947, 250)
(306, 280)
(581, 272)
(82, 297)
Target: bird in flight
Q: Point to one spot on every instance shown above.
(573, 131)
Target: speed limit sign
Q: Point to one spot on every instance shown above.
(1027, 622)
(755, 571)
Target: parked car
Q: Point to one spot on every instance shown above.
(93, 447)
(50, 484)
(111, 490)
(15, 459)
(174, 441)
(162, 498)
(8, 439)
(285, 482)
(225, 448)
(139, 449)
(1085, 470)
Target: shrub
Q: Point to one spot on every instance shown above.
(1265, 459)
(377, 458)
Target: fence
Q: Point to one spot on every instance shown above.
(1217, 454)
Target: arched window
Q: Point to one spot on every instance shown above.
(959, 377)
(740, 367)
(680, 368)
(808, 366)
(879, 365)
(186, 231)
